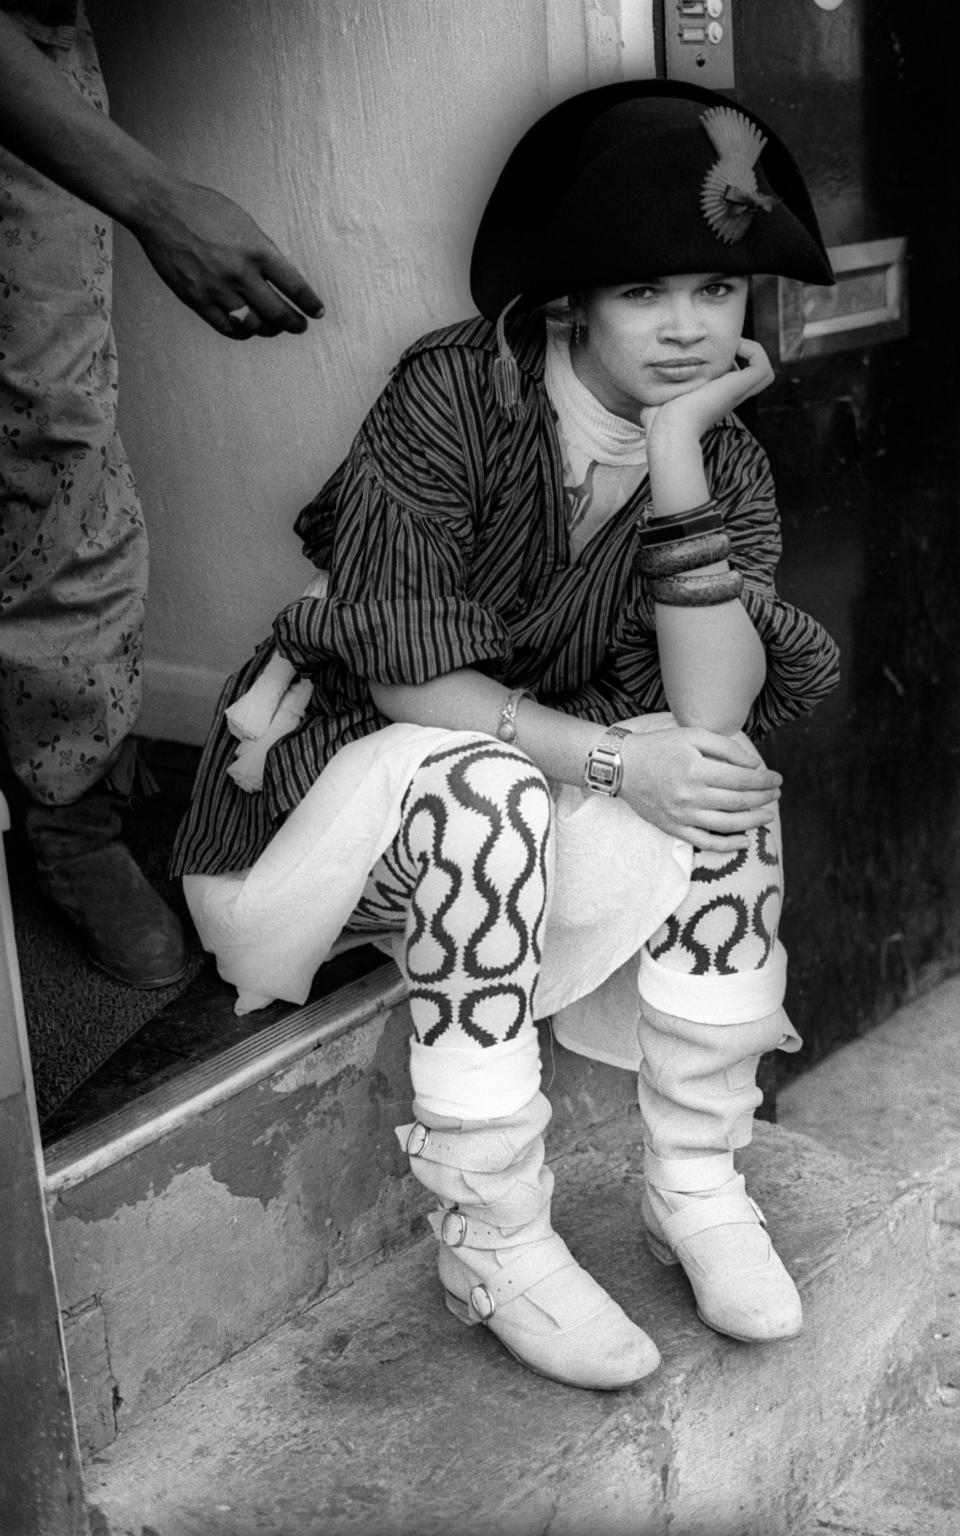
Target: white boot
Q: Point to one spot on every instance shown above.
(697, 1213)
(500, 1261)
(697, 1093)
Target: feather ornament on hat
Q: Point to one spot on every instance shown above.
(729, 196)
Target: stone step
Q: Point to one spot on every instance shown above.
(199, 1217)
(908, 1486)
(374, 1411)
(888, 1099)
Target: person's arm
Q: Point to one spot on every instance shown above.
(694, 784)
(402, 508)
(205, 247)
(711, 659)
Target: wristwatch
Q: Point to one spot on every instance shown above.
(603, 769)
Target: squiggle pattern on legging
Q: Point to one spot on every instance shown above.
(466, 877)
(735, 928)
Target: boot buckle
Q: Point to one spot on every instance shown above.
(453, 1229)
(482, 1303)
(417, 1140)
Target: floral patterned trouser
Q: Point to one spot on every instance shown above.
(73, 552)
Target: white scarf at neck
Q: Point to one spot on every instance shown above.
(604, 456)
(585, 423)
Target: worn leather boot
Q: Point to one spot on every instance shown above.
(127, 928)
(502, 1264)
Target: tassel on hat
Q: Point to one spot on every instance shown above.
(506, 374)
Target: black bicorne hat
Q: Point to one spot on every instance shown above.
(643, 178)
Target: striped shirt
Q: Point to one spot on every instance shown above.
(445, 536)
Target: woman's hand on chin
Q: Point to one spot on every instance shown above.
(693, 411)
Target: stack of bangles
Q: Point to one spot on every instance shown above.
(673, 551)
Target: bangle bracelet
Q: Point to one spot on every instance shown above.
(507, 724)
(661, 527)
(684, 555)
(697, 591)
(673, 532)
(668, 530)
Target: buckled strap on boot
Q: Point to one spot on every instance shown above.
(688, 1175)
(731, 1207)
(533, 1264)
(455, 1229)
(490, 1150)
(500, 1262)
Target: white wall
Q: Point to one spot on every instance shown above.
(363, 135)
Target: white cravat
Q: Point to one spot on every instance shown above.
(604, 456)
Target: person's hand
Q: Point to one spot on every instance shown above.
(218, 261)
(694, 784)
(695, 410)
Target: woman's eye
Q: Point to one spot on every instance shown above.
(641, 291)
(717, 290)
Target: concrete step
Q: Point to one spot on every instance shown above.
(202, 1215)
(908, 1486)
(374, 1411)
(889, 1099)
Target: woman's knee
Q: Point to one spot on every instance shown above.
(484, 809)
(490, 779)
(743, 740)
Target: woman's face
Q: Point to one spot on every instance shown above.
(649, 341)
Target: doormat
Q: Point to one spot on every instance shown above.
(77, 1016)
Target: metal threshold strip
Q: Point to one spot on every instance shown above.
(173, 1104)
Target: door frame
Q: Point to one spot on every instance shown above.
(41, 1486)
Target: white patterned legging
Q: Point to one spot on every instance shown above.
(466, 878)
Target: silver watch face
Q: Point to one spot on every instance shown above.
(603, 772)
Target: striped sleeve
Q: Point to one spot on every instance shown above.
(627, 679)
(398, 526)
(802, 665)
